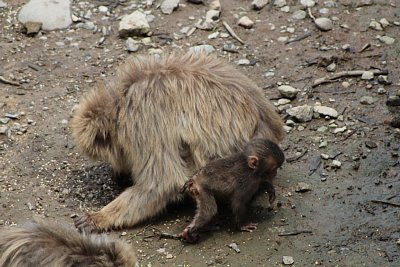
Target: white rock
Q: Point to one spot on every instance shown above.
(285, 9)
(367, 75)
(386, 39)
(131, 45)
(290, 29)
(52, 14)
(2, 4)
(259, 4)
(375, 25)
(301, 113)
(280, 3)
(288, 91)
(307, 3)
(243, 61)
(103, 9)
(283, 39)
(284, 101)
(134, 24)
(269, 74)
(336, 164)
(326, 111)
(299, 14)
(324, 11)
(381, 91)
(287, 260)
(213, 35)
(155, 51)
(245, 22)
(201, 48)
(384, 22)
(340, 130)
(287, 128)
(331, 67)
(168, 6)
(324, 24)
(345, 84)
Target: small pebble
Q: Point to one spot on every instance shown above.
(324, 24)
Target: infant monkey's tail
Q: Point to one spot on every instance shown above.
(40, 243)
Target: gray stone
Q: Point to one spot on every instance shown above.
(287, 260)
(103, 9)
(3, 130)
(245, 22)
(259, 4)
(285, 9)
(336, 164)
(299, 14)
(340, 130)
(376, 25)
(331, 67)
(367, 100)
(386, 39)
(201, 48)
(280, 3)
(134, 24)
(326, 111)
(301, 113)
(243, 61)
(2, 4)
(324, 24)
(384, 22)
(132, 45)
(367, 75)
(288, 91)
(230, 48)
(168, 6)
(214, 35)
(307, 3)
(53, 14)
(89, 25)
(302, 187)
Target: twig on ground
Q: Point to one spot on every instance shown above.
(295, 158)
(341, 74)
(231, 32)
(295, 233)
(298, 38)
(386, 202)
(6, 81)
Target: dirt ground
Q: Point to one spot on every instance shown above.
(42, 172)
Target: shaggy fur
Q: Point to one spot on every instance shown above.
(48, 244)
(162, 119)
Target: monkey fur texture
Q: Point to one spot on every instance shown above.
(161, 119)
(234, 179)
(40, 243)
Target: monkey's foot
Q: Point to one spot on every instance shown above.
(89, 223)
(272, 198)
(250, 227)
(187, 237)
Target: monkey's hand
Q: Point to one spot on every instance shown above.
(188, 237)
(85, 223)
(250, 227)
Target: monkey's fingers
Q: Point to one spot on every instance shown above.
(85, 223)
(250, 227)
(187, 237)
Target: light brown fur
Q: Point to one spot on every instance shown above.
(48, 244)
(162, 119)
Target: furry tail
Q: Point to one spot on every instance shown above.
(40, 243)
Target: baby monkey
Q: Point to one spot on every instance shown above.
(234, 179)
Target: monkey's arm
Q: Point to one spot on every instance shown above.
(271, 192)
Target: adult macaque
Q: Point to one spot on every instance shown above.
(235, 179)
(159, 121)
(44, 244)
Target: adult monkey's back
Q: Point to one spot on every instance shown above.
(159, 121)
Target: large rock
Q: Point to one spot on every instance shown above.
(288, 91)
(259, 4)
(168, 6)
(326, 111)
(301, 113)
(134, 24)
(52, 14)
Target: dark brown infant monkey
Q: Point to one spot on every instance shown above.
(235, 179)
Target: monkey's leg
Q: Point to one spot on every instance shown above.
(134, 205)
(205, 212)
